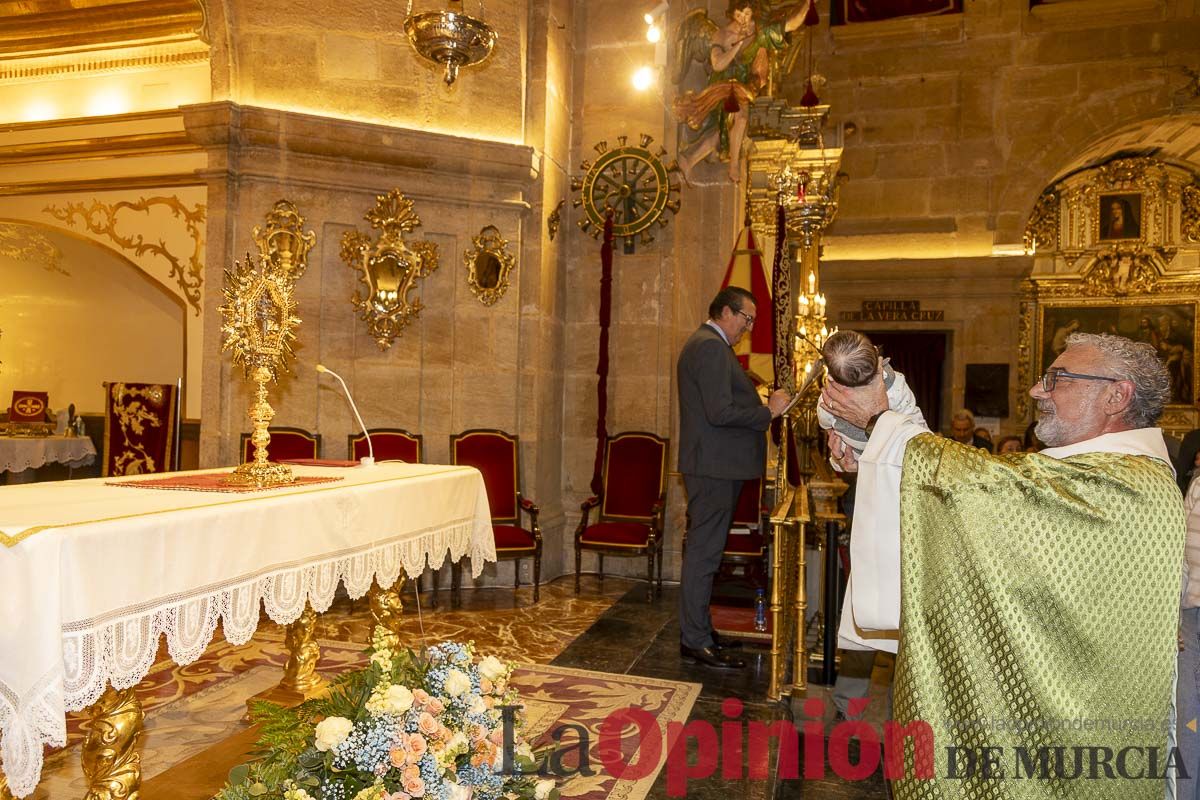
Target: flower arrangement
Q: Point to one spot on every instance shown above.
(410, 726)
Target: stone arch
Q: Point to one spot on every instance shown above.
(1080, 128)
(55, 249)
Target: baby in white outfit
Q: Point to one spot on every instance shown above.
(853, 361)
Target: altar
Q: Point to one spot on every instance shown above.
(96, 571)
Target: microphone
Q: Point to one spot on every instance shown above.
(369, 460)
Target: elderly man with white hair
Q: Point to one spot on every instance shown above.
(1033, 597)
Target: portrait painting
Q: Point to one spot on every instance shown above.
(1170, 329)
(1120, 216)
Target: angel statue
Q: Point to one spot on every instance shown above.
(738, 57)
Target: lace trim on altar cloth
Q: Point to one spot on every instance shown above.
(119, 649)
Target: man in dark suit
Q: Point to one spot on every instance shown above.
(722, 442)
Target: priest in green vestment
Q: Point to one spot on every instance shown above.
(1032, 598)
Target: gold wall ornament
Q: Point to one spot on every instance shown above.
(102, 220)
(488, 265)
(1123, 270)
(111, 760)
(450, 38)
(633, 183)
(1041, 232)
(282, 239)
(23, 243)
(390, 268)
(554, 221)
(260, 322)
(1189, 224)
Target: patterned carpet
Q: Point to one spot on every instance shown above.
(191, 707)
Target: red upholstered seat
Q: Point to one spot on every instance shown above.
(391, 444)
(140, 422)
(496, 455)
(512, 537)
(617, 534)
(745, 543)
(631, 505)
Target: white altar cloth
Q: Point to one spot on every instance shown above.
(19, 453)
(92, 575)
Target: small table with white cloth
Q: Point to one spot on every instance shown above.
(21, 455)
(93, 574)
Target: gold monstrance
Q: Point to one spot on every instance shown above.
(260, 322)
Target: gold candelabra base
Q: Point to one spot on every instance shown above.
(260, 472)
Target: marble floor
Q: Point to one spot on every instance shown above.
(609, 627)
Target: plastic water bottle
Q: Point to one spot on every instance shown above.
(760, 611)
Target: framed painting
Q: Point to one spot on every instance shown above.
(1120, 216)
(1170, 327)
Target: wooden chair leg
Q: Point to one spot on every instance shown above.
(660, 560)
(601, 568)
(455, 585)
(537, 574)
(650, 575)
(516, 573)
(578, 566)
(435, 577)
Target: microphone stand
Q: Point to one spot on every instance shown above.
(368, 460)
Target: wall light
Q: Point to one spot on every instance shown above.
(653, 34)
(40, 111)
(656, 12)
(643, 79)
(107, 101)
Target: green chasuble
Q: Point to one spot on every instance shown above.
(1039, 610)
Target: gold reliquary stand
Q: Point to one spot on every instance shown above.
(260, 326)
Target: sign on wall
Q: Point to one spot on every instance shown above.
(892, 311)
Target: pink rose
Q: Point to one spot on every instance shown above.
(420, 698)
(415, 787)
(485, 686)
(426, 724)
(397, 756)
(444, 733)
(436, 706)
(397, 796)
(496, 737)
(410, 772)
(417, 745)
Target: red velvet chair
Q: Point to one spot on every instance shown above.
(746, 546)
(496, 455)
(141, 428)
(391, 444)
(286, 444)
(631, 505)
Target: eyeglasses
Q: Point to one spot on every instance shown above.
(1050, 379)
(749, 319)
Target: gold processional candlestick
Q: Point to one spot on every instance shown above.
(260, 323)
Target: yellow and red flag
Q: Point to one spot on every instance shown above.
(756, 351)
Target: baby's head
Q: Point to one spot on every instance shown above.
(850, 358)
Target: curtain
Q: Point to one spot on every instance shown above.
(920, 355)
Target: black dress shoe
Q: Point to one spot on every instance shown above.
(710, 657)
(722, 643)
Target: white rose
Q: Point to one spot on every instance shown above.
(457, 682)
(542, 789)
(458, 743)
(524, 750)
(460, 792)
(398, 699)
(492, 668)
(478, 707)
(332, 731)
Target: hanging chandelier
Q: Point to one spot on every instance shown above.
(450, 38)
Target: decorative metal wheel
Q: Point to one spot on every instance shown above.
(633, 183)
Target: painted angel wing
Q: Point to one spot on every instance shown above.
(693, 42)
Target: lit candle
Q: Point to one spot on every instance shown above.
(807, 367)
(812, 282)
(824, 332)
(803, 332)
(803, 304)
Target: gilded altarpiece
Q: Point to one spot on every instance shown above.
(1117, 250)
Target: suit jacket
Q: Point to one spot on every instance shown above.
(722, 420)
